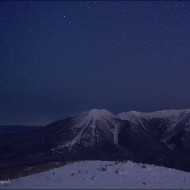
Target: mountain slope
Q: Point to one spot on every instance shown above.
(98, 134)
(155, 138)
(168, 126)
(90, 135)
(104, 175)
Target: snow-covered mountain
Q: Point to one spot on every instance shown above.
(172, 127)
(88, 125)
(154, 138)
(104, 175)
(92, 134)
(171, 117)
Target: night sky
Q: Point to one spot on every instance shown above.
(62, 58)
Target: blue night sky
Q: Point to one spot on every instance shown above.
(62, 58)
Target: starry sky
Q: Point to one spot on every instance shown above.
(60, 58)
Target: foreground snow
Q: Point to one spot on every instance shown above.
(104, 174)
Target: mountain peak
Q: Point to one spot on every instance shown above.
(98, 114)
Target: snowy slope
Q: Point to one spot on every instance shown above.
(104, 174)
(85, 126)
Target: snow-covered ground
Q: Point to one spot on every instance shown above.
(104, 174)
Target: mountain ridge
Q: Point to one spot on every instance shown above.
(154, 138)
